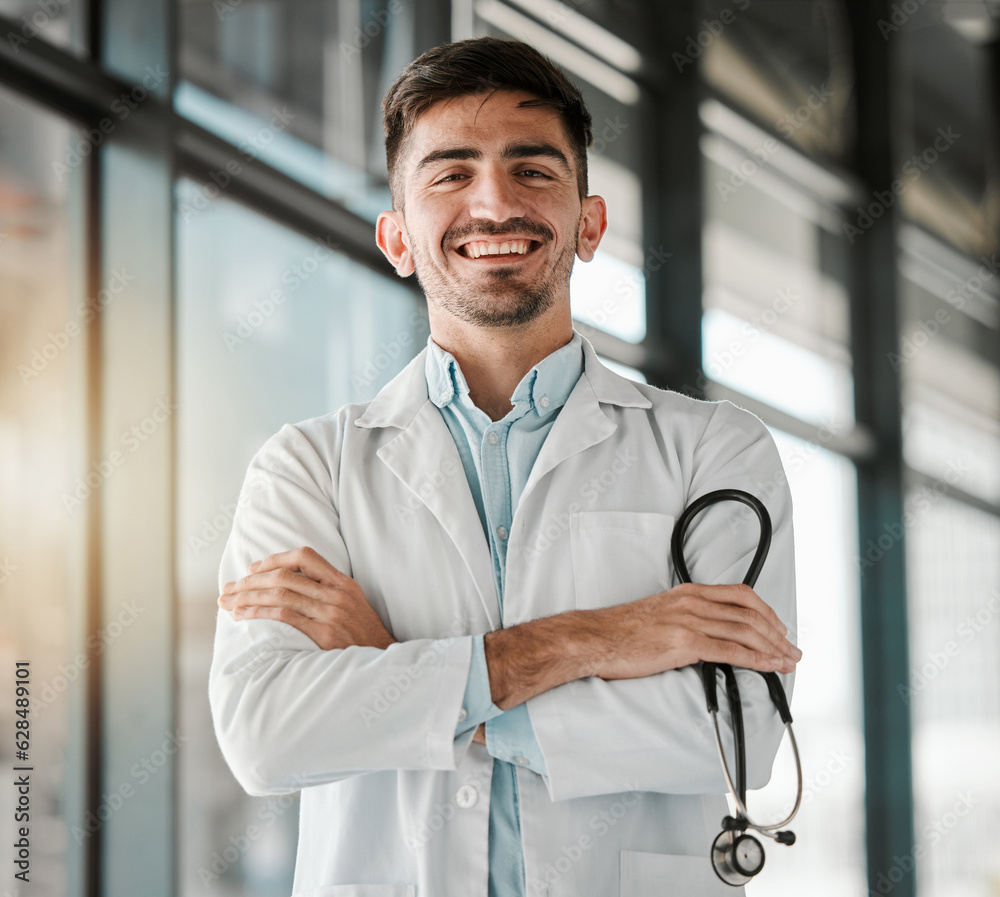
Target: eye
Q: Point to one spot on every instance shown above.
(535, 173)
(449, 177)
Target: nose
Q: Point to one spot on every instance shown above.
(495, 195)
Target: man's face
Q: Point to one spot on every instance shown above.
(492, 216)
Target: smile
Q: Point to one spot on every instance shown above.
(479, 248)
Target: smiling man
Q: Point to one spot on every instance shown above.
(467, 656)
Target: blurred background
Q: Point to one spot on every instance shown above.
(804, 218)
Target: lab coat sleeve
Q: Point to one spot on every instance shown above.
(288, 714)
(477, 702)
(654, 733)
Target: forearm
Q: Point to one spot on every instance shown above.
(534, 657)
(288, 714)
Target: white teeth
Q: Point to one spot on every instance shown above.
(508, 247)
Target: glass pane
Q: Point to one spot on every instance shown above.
(42, 323)
(951, 382)
(776, 322)
(272, 328)
(946, 145)
(59, 22)
(298, 83)
(784, 64)
(953, 558)
(826, 704)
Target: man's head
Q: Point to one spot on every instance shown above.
(482, 65)
(488, 170)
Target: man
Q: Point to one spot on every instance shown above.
(447, 614)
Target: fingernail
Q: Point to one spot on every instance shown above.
(228, 587)
(254, 564)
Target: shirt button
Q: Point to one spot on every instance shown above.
(502, 533)
(462, 714)
(544, 401)
(492, 437)
(521, 761)
(466, 796)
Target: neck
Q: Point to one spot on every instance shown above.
(495, 360)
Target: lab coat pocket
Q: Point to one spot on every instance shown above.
(668, 875)
(619, 556)
(361, 891)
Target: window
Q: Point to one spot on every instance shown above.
(272, 328)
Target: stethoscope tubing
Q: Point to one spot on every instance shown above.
(774, 687)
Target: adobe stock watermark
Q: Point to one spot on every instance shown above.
(721, 360)
(427, 487)
(59, 340)
(913, 169)
(139, 774)
(787, 125)
(249, 148)
(375, 23)
(551, 530)
(698, 43)
(237, 846)
(6, 568)
(901, 13)
(45, 13)
(933, 834)
(598, 826)
(123, 106)
(389, 351)
(132, 439)
(217, 526)
(292, 278)
(627, 287)
(910, 346)
(921, 501)
(443, 813)
(937, 661)
(964, 293)
(97, 643)
(399, 683)
(796, 460)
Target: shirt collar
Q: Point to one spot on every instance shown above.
(544, 388)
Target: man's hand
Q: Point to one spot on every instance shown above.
(302, 589)
(666, 631)
(689, 623)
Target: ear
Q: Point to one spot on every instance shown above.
(392, 239)
(593, 224)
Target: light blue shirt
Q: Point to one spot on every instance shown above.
(498, 458)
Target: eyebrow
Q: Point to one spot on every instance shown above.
(510, 151)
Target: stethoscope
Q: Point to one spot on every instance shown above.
(736, 855)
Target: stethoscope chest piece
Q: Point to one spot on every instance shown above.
(737, 857)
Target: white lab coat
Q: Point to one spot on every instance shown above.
(392, 804)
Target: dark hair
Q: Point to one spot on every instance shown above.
(474, 66)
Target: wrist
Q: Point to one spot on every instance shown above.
(534, 657)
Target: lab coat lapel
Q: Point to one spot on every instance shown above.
(424, 458)
(581, 423)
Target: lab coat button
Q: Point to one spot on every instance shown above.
(492, 437)
(462, 714)
(466, 796)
